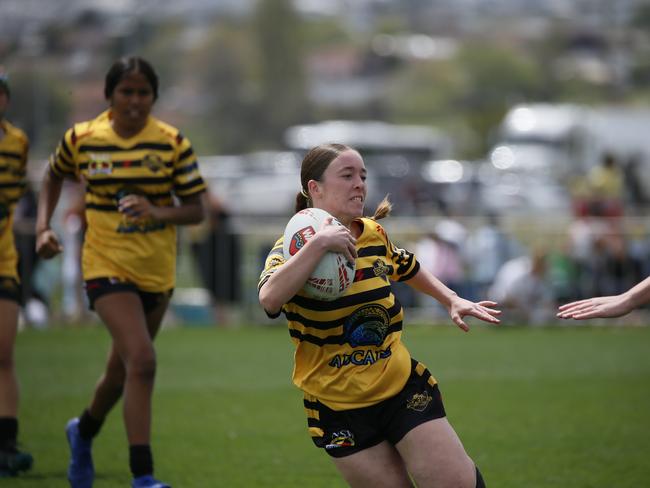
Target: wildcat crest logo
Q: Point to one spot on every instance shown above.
(153, 162)
(380, 269)
(419, 401)
(300, 238)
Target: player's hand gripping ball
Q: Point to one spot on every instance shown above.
(333, 274)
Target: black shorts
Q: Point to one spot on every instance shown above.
(98, 287)
(348, 431)
(11, 289)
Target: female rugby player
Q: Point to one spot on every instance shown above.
(13, 169)
(375, 410)
(133, 165)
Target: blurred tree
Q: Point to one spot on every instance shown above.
(467, 94)
(495, 78)
(223, 64)
(283, 100)
(39, 106)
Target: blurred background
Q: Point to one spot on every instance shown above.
(511, 135)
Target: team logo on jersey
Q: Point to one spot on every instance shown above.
(100, 164)
(380, 269)
(342, 438)
(367, 326)
(300, 238)
(419, 401)
(153, 162)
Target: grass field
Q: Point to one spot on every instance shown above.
(545, 407)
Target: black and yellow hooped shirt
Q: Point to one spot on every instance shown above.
(14, 147)
(158, 163)
(349, 352)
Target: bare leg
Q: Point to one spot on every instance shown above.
(379, 466)
(8, 382)
(131, 365)
(435, 456)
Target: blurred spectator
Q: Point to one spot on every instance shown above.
(216, 252)
(523, 292)
(563, 273)
(442, 258)
(487, 249)
(606, 184)
(74, 225)
(439, 252)
(634, 190)
(35, 303)
(585, 234)
(618, 270)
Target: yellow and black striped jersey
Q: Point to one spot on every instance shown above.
(159, 163)
(349, 352)
(14, 147)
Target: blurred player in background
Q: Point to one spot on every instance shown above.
(133, 165)
(13, 170)
(609, 306)
(376, 411)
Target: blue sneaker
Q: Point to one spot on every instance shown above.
(148, 481)
(81, 471)
(13, 461)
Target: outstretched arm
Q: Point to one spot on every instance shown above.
(609, 306)
(47, 244)
(457, 307)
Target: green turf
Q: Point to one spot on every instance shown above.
(548, 407)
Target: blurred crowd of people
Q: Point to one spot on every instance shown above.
(600, 253)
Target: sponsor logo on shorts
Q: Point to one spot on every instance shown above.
(342, 438)
(419, 401)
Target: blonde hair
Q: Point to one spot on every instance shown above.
(383, 209)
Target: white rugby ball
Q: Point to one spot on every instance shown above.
(333, 274)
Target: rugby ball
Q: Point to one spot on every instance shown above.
(333, 274)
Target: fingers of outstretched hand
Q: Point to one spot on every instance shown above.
(457, 319)
(48, 245)
(569, 310)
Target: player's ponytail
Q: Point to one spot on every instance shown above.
(302, 201)
(383, 209)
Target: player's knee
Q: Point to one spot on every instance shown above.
(143, 366)
(6, 363)
(479, 479)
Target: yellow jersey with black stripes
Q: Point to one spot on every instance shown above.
(349, 352)
(158, 163)
(14, 147)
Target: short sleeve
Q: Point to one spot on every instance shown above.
(62, 162)
(187, 178)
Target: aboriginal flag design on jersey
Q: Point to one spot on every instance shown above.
(349, 352)
(13, 169)
(158, 163)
